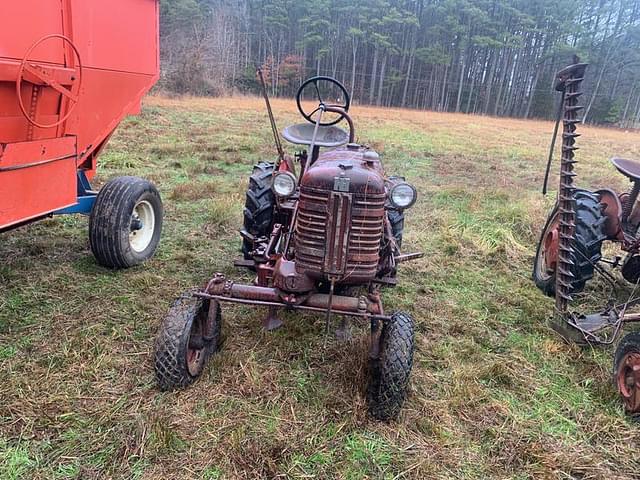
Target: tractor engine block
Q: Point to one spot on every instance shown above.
(339, 226)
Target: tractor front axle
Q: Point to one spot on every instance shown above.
(224, 290)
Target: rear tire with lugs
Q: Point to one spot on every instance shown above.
(396, 219)
(389, 374)
(587, 244)
(125, 222)
(190, 333)
(259, 205)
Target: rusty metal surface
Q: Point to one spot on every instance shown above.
(550, 245)
(629, 168)
(628, 206)
(628, 382)
(568, 81)
(340, 216)
(338, 227)
(612, 212)
(354, 162)
(286, 278)
(334, 239)
(220, 288)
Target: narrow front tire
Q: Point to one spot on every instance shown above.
(189, 335)
(389, 374)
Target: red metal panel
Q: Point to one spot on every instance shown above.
(25, 21)
(118, 45)
(36, 178)
(117, 34)
(93, 125)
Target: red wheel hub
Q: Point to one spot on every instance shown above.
(628, 380)
(551, 248)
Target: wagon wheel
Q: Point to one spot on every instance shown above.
(44, 75)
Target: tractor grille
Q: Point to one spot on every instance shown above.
(339, 234)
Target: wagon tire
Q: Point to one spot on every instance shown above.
(125, 222)
(389, 374)
(587, 246)
(259, 205)
(189, 335)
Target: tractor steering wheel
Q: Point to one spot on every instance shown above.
(329, 85)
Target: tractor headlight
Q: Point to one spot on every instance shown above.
(403, 195)
(284, 184)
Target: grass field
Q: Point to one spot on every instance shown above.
(494, 393)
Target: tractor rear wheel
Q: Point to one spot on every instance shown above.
(396, 219)
(626, 372)
(259, 205)
(389, 374)
(125, 222)
(587, 244)
(190, 333)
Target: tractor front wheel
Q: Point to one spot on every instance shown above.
(190, 333)
(125, 222)
(389, 374)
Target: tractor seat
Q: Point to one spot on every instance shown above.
(328, 136)
(629, 168)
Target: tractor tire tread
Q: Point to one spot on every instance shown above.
(259, 204)
(589, 236)
(389, 375)
(170, 362)
(396, 219)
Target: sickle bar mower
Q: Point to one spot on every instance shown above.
(570, 250)
(70, 71)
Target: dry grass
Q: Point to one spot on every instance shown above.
(495, 394)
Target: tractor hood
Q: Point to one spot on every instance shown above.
(350, 169)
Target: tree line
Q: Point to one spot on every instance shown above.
(493, 57)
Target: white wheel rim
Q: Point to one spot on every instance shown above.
(144, 217)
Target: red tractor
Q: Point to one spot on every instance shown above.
(324, 240)
(570, 250)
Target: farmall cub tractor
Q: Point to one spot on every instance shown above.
(570, 250)
(325, 241)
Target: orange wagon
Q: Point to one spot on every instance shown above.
(70, 71)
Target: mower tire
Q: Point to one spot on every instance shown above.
(587, 244)
(125, 222)
(625, 365)
(389, 374)
(189, 335)
(259, 205)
